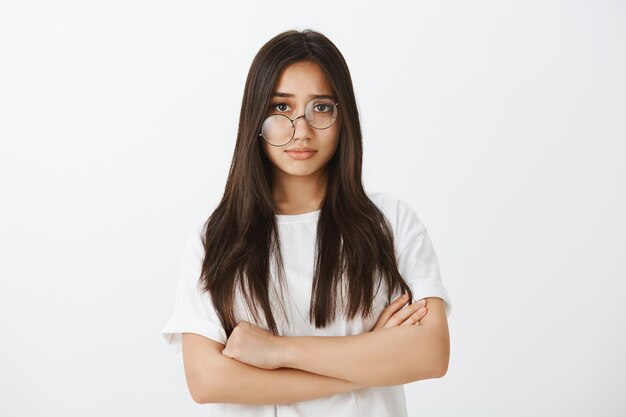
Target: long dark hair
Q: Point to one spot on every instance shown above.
(354, 239)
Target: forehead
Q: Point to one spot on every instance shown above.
(303, 79)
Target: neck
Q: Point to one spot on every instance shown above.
(299, 194)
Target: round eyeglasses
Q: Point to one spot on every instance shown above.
(279, 129)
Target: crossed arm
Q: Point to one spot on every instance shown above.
(321, 366)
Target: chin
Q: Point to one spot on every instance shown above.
(300, 171)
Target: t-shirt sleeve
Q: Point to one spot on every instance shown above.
(417, 260)
(194, 311)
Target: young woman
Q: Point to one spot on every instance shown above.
(288, 298)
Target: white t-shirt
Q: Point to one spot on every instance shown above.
(417, 264)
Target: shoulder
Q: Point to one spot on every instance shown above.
(195, 236)
(200, 223)
(402, 216)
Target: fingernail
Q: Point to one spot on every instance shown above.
(405, 295)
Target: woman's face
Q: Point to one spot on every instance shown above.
(301, 81)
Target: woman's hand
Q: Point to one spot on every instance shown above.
(258, 347)
(253, 345)
(395, 314)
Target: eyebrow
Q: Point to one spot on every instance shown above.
(279, 94)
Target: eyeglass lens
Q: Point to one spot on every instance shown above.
(278, 129)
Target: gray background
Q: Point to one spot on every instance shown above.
(501, 122)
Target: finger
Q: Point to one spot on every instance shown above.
(402, 315)
(405, 313)
(390, 310)
(415, 318)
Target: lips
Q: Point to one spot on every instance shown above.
(300, 155)
(307, 149)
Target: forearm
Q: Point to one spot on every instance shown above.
(391, 356)
(240, 383)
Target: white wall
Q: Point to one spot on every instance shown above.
(502, 122)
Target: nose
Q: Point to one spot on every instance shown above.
(302, 129)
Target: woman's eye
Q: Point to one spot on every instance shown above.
(280, 106)
(322, 108)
